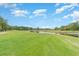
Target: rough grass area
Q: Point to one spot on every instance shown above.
(24, 43)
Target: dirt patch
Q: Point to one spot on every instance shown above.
(46, 33)
(3, 33)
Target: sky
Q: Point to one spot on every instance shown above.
(42, 15)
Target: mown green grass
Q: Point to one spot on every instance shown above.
(24, 43)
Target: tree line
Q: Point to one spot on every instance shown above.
(4, 26)
(72, 27)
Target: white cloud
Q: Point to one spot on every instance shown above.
(75, 14)
(40, 12)
(70, 6)
(75, 20)
(19, 12)
(46, 26)
(8, 5)
(66, 16)
(57, 4)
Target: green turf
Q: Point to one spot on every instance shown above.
(24, 43)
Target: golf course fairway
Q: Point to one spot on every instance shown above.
(25, 43)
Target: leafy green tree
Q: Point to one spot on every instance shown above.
(72, 26)
(3, 24)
